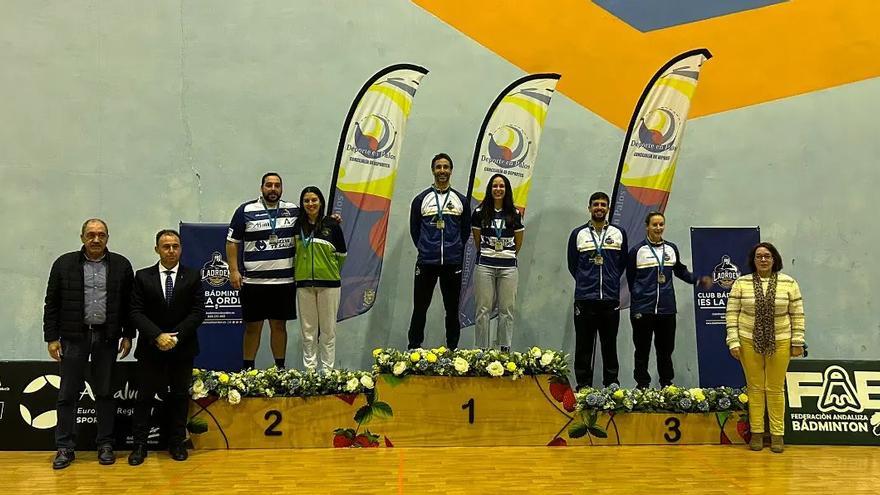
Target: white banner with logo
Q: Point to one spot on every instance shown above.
(507, 144)
(364, 176)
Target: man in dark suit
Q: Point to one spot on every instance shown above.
(85, 315)
(167, 307)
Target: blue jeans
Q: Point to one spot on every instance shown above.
(491, 285)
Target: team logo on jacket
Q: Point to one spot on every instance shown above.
(216, 271)
(725, 273)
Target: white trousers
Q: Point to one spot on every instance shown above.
(317, 321)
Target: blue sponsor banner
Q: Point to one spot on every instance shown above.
(721, 252)
(221, 334)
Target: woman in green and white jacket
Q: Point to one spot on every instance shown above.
(320, 253)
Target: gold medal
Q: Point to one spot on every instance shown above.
(273, 239)
(661, 278)
(440, 224)
(598, 260)
(499, 245)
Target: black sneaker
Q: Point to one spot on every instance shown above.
(505, 349)
(63, 458)
(106, 455)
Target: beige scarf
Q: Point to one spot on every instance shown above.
(765, 312)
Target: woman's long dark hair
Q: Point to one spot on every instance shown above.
(303, 220)
(487, 207)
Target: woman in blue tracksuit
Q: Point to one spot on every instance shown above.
(650, 267)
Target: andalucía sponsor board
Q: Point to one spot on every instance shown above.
(28, 396)
(832, 402)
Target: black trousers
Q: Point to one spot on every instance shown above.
(74, 359)
(423, 290)
(170, 379)
(662, 328)
(592, 318)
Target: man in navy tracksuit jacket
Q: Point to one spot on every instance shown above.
(597, 254)
(440, 219)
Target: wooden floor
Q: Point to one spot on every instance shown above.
(598, 470)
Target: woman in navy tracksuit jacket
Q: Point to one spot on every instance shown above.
(650, 267)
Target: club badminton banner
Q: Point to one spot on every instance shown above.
(653, 140)
(507, 144)
(363, 179)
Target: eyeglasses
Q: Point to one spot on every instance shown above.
(763, 256)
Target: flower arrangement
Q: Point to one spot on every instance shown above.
(470, 362)
(278, 382)
(667, 399)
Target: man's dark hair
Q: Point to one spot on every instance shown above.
(270, 174)
(167, 232)
(438, 156)
(599, 195)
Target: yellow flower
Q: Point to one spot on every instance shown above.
(535, 352)
(431, 357)
(224, 378)
(511, 366)
(618, 394)
(196, 371)
(441, 350)
(414, 357)
(377, 351)
(743, 398)
(252, 372)
(697, 394)
(672, 389)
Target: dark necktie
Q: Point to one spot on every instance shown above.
(169, 286)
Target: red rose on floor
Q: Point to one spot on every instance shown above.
(557, 390)
(558, 442)
(569, 403)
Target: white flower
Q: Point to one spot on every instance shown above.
(199, 390)
(495, 368)
(547, 358)
(234, 397)
(351, 385)
(461, 365)
(399, 368)
(367, 381)
(535, 352)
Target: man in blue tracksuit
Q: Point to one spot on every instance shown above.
(596, 259)
(439, 223)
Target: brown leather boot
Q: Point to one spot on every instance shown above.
(757, 442)
(776, 444)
